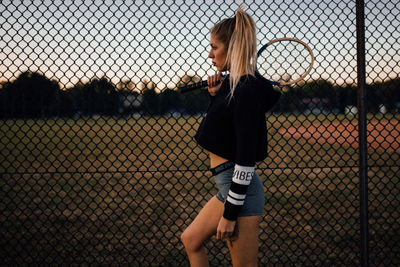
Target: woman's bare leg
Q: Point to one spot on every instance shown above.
(202, 228)
(244, 248)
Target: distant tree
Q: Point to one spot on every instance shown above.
(130, 102)
(196, 101)
(98, 96)
(288, 100)
(171, 101)
(392, 95)
(3, 100)
(150, 104)
(30, 95)
(384, 93)
(319, 88)
(66, 104)
(126, 85)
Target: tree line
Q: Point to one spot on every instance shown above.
(33, 95)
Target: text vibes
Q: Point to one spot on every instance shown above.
(242, 177)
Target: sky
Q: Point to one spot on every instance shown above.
(163, 40)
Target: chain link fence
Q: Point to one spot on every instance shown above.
(98, 161)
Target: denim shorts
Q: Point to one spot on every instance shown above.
(254, 201)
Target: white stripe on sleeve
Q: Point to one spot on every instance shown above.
(235, 195)
(234, 201)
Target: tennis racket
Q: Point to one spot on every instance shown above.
(288, 62)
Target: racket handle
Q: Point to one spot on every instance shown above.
(193, 86)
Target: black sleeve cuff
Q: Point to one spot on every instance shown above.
(231, 211)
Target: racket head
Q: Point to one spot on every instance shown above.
(290, 61)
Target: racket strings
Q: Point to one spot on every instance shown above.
(284, 61)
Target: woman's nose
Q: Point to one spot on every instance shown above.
(210, 55)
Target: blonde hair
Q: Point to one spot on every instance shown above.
(238, 34)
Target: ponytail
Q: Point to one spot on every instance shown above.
(242, 48)
(239, 37)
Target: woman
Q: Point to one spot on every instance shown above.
(234, 132)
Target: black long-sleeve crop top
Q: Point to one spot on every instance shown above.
(235, 128)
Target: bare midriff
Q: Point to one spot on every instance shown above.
(216, 160)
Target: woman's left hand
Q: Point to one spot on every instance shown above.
(214, 83)
(226, 229)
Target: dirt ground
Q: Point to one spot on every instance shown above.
(381, 135)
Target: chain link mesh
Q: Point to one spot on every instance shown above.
(98, 161)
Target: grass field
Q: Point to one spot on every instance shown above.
(121, 190)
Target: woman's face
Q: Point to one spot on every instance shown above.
(218, 54)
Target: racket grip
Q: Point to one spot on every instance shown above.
(193, 86)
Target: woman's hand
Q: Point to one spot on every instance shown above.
(214, 83)
(226, 229)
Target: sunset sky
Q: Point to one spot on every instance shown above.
(74, 40)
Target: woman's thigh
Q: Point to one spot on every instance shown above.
(244, 249)
(206, 222)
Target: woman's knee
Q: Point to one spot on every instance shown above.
(191, 242)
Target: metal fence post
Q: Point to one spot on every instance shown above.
(361, 85)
